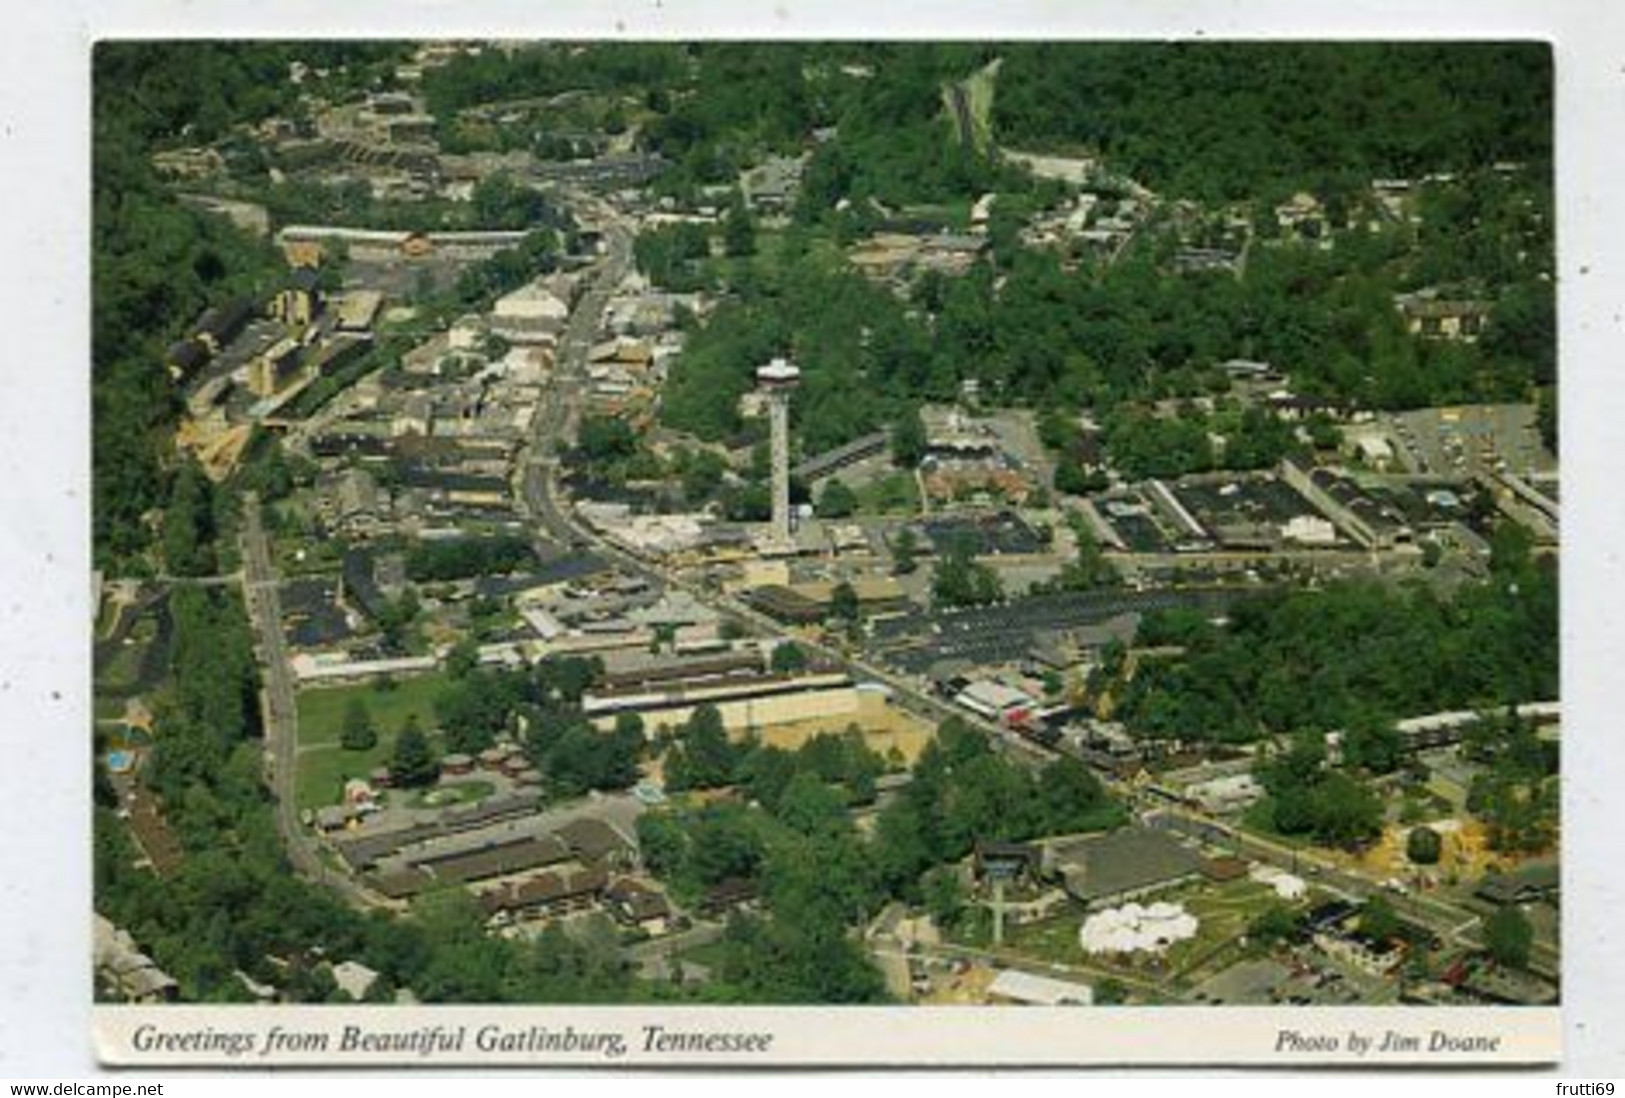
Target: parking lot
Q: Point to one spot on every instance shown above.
(1473, 439)
(1001, 534)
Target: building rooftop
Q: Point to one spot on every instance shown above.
(1127, 860)
(1025, 987)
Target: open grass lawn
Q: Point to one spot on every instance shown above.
(458, 791)
(323, 765)
(893, 494)
(321, 710)
(123, 672)
(322, 771)
(709, 954)
(106, 708)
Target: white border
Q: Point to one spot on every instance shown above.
(44, 535)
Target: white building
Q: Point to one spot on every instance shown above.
(1309, 530)
(531, 314)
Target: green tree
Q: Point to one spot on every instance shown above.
(702, 758)
(1088, 569)
(463, 658)
(1372, 745)
(501, 202)
(663, 843)
(739, 228)
(788, 659)
(413, 763)
(1378, 920)
(724, 844)
(1071, 798)
(1508, 937)
(961, 580)
(396, 617)
(944, 896)
(811, 807)
(1275, 924)
(1546, 416)
(603, 439)
(358, 733)
(189, 524)
(836, 501)
(908, 439)
(905, 550)
(844, 605)
(1423, 846)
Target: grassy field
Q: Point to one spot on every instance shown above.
(321, 710)
(894, 494)
(709, 954)
(323, 765)
(455, 792)
(322, 771)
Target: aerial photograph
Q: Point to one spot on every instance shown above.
(825, 522)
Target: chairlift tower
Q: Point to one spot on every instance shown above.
(777, 380)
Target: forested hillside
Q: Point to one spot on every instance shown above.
(156, 264)
(1242, 120)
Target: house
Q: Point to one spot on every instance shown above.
(1527, 885)
(545, 895)
(219, 325)
(354, 979)
(185, 358)
(123, 971)
(359, 793)
(1302, 214)
(300, 301)
(831, 461)
(996, 701)
(357, 310)
(1013, 986)
(1063, 649)
(275, 367)
(813, 600)
(637, 905)
(1367, 954)
(1433, 317)
(726, 895)
(1006, 861)
(772, 186)
(1103, 870)
(1308, 530)
(530, 314)
(1220, 870)
(335, 817)
(416, 417)
(1227, 794)
(594, 841)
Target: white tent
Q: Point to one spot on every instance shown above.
(1133, 928)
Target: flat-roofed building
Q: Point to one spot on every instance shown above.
(275, 367)
(1103, 870)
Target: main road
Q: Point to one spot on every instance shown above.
(279, 708)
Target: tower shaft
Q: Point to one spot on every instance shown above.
(778, 406)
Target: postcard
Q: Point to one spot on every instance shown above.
(763, 553)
